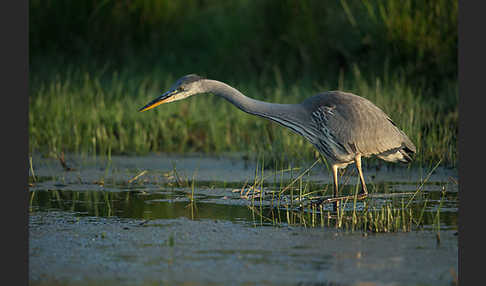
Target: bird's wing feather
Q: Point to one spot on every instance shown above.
(356, 124)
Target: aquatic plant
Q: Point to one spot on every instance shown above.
(382, 211)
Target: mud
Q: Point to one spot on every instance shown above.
(96, 226)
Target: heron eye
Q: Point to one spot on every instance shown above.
(180, 88)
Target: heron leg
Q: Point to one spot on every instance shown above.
(336, 189)
(336, 199)
(357, 159)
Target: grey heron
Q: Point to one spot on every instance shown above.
(342, 126)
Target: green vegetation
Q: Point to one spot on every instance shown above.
(269, 199)
(94, 63)
(292, 203)
(95, 117)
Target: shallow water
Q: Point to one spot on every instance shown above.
(187, 220)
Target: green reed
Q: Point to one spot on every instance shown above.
(98, 115)
(376, 213)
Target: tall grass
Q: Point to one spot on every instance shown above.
(98, 115)
(382, 211)
(93, 63)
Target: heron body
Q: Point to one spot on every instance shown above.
(342, 126)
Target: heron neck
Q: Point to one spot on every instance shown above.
(292, 116)
(247, 104)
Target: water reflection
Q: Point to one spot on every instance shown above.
(433, 207)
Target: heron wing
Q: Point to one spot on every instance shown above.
(352, 124)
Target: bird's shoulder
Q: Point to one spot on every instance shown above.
(334, 99)
(338, 105)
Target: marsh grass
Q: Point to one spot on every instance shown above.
(32, 177)
(92, 64)
(96, 114)
(272, 199)
(192, 200)
(380, 212)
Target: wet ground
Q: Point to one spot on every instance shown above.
(167, 220)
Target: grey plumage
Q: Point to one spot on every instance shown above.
(342, 126)
(352, 124)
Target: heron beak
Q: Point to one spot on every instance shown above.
(164, 98)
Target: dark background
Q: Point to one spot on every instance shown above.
(248, 40)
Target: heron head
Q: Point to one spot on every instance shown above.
(184, 87)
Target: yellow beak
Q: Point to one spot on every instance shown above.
(164, 98)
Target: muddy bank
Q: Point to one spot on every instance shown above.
(83, 250)
(140, 220)
(222, 168)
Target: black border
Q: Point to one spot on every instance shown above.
(14, 116)
(15, 74)
(471, 167)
